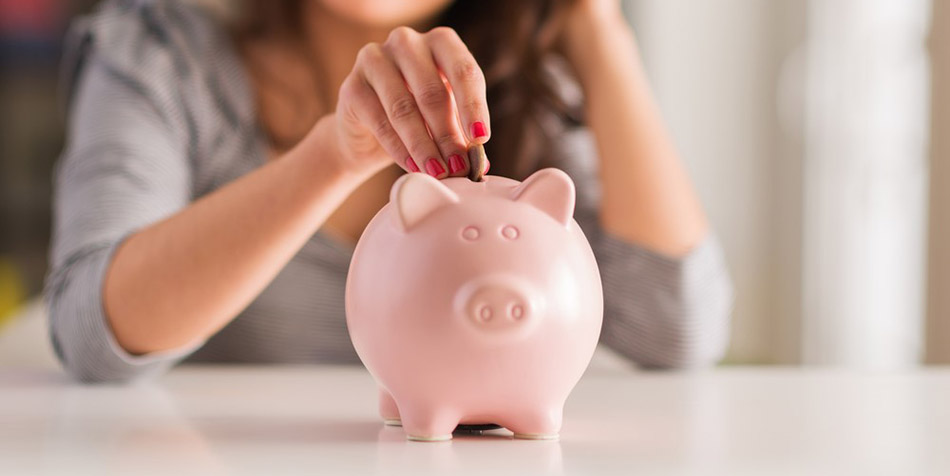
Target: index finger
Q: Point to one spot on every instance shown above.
(466, 80)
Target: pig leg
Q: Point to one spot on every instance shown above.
(542, 422)
(428, 422)
(388, 409)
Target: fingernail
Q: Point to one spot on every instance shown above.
(479, 129)
(487, 166)
(411, 165)
(455, 164)
(434, 168)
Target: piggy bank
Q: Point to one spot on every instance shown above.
(475, 303)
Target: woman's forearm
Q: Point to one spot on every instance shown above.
(647, 196)
(184, 278)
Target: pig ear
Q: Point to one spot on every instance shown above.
(549, 190)
(416, 196)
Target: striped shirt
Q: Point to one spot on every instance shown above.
(161, 113)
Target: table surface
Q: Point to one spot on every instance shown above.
(322, 420)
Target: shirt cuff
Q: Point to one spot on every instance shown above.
(82, 337)
(665, 311)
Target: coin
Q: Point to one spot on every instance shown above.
(477, 162)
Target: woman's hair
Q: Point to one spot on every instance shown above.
(510, 40)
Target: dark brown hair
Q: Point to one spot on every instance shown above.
(510, 40)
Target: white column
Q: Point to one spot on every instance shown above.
(714, 67)
(865, 182)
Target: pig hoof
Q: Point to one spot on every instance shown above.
(429, 438)
(536, 436)
(392, 422)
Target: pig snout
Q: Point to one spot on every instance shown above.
(499, 304)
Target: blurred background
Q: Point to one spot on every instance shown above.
(811, 127)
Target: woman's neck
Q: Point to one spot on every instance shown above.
(335, 42)
(297, 77)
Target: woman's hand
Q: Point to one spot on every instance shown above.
(602, 9)
(586, 22)
(647, 197)
(404, 100)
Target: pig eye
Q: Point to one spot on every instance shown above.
(470, 233)
(509, 232)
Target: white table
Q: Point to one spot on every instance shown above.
(322, 420)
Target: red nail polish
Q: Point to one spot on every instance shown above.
(434, 168)
(411, 165)
(455, 164)
(479, 129)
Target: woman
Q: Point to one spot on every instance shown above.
(218, 172)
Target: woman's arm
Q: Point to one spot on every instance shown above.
(647, 196)
(186, 277)
(667, 291)
(217, 254)
(138, 268)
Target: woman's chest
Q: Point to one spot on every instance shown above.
(348, 221)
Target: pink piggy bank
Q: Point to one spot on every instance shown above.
(475, 303)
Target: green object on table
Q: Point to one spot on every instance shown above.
(12, 291)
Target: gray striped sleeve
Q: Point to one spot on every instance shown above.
(81, 336)
(665, 312)
(659, 311)
(124, 167)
